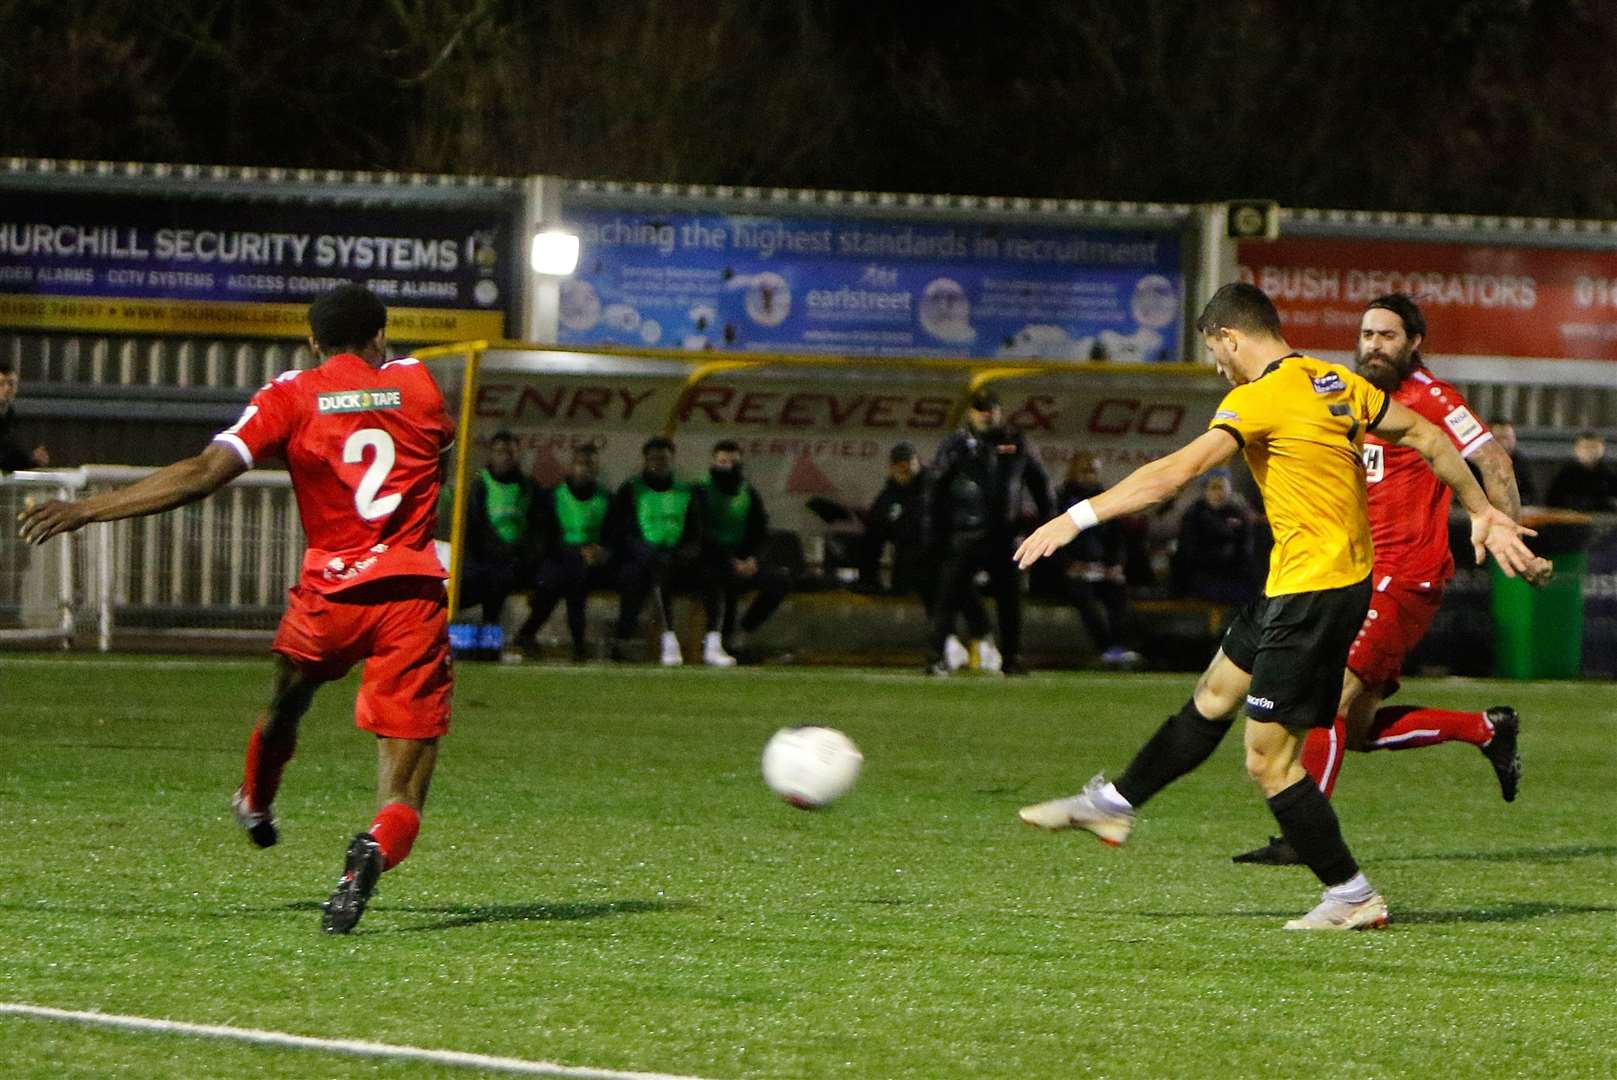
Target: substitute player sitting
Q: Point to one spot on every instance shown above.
(361, 436)
(1301, 424)
(1409, 522)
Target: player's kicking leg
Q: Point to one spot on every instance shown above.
(1184, 741)
(269, 748)
(404, 772)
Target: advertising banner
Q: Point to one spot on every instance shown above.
(1480, 300)
(808, 435)
(866, 287)
(160, 264)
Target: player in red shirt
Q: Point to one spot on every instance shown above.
(361, 436)
(1409, 524)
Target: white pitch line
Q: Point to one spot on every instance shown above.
(351, 1047)
(67, 663)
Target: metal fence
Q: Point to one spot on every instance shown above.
(220, 566)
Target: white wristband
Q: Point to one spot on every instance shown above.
(1083, 515)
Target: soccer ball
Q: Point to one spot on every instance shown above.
(811, 767)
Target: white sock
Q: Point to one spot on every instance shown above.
(1109, 799)
(1355, 890)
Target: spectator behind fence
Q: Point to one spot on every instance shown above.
(980, 478)
(1214, 558)
(13, 453)
(733, 534)
(501, 541)
(570, 518)
(1088, 573)
(1504, 433)
(655, 529)
(1585, 483)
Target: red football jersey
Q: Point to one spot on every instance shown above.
(362, 445)
(1409, 505)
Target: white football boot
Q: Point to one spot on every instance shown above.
(713, 654)
(955, 655)
(1081, 811)
(988, 658)
(1332, 914)
(671, 656)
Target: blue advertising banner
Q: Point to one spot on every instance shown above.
(872, 287)
(157, 264)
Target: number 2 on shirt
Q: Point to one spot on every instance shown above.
(353, 452)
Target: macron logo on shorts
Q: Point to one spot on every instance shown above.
(340, 401)
(1255, 702)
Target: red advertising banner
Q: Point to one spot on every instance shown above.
(1479, 299)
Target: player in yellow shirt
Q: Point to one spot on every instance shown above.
(1301, 423)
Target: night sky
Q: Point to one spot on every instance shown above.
(1485, 106)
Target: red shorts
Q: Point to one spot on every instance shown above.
(1399, 616)
(398, 628)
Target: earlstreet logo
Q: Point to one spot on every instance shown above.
(358, 400)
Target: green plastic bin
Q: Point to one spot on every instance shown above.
(1538, 632)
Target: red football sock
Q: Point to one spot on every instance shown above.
(1404, 727)
(395, 830)
(261, 778)
(1322, 754)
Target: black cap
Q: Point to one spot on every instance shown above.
(984, 398)
(902, 451)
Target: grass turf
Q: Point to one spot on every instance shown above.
(601, 879)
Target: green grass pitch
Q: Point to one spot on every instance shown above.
(603, 880)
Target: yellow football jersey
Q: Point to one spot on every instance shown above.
(1301, 425)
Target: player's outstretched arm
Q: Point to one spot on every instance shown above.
(173, 485)
(1492, 530)
(1493, 464)
(1141, 489)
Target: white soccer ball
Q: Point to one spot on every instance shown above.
(811, 767)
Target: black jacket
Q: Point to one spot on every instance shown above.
(1213, 541)
(1101, 544)
(13, 454)
(1574, 487)
(896, 515)
(978, 484)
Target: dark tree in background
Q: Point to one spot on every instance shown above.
(1484, 106)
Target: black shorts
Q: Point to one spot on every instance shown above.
(1295, 647)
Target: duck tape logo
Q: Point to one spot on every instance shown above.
(359, 400)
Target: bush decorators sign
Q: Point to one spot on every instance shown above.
(163, 265)
(1480, 300)
(869, 287)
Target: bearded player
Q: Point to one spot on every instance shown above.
(361, 436)
(1409, 524)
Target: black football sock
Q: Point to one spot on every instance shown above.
(1184, 741)
(1310, 826)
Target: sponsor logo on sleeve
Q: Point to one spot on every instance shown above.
(341, 401)
(1226, 414)
(1328, 383)
(1462, 424)
(1254, 703)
